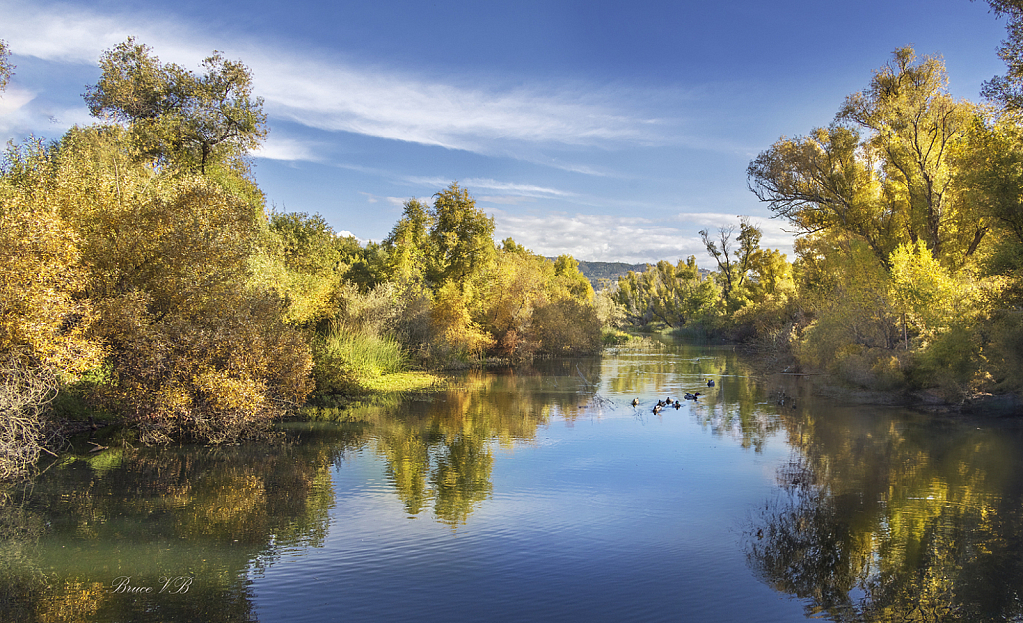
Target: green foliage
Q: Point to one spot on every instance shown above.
(409, 245)
(670, 293)
(346, 360)
(459, 337)
(856, 320)
(461, 236)
(175, 115)
(569, 277)
(768, 298)
(734, 272)
(301, 260)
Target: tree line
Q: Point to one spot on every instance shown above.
(908, 268)
(145, 277)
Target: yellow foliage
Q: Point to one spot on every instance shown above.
(42, 314)
(451, 320)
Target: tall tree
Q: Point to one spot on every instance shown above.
(462, 236)
(734, 271)
(176, 115)
(409, 244)
(892, 185)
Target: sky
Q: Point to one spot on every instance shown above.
(611, 131)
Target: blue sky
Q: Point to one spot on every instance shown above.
(613, 131)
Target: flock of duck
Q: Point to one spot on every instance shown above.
(667, 402)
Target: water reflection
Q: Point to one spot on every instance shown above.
(169, 534)
(880, 514)
(440, 451)
(891, 516)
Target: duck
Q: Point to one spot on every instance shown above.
(657, 409)
(635, 402)
(677, 404)
(710, 382)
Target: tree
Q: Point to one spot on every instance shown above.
(891, 186)
(303, 263)
(734, 271)
(176, 115)
(671, 293)
(6, 69)
(409, 244)
(1007, 90)
(461, 236)
(193, 352)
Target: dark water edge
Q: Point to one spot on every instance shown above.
(542, 494)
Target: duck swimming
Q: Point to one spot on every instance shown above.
(710, 382)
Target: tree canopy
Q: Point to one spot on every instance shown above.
(175, 114)
(882, 170)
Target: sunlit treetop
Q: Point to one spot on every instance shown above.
(175, 114)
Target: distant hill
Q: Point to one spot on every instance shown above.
(595, 271)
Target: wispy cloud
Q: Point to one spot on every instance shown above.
(331, 94)
(394, 201)
(278, 148)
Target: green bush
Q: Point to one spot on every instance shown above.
(342, 360)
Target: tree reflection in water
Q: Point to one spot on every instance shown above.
(440, 449)
(210, 514)
(891, 517)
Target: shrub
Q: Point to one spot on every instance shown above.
(344, 360)
(224, 373)
(566, 327)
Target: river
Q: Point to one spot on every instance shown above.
(542, 494)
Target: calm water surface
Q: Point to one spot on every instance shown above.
(543, 494)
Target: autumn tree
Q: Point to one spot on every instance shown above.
(174, 114)
(409, 245)
(303, 262)
(194, 352)
(733, 264)
(881, 171)
(670, 293)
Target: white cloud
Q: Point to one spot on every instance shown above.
(277, 148)
(331, 94)
(394, 201)
(619, 239)
(505, 199)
